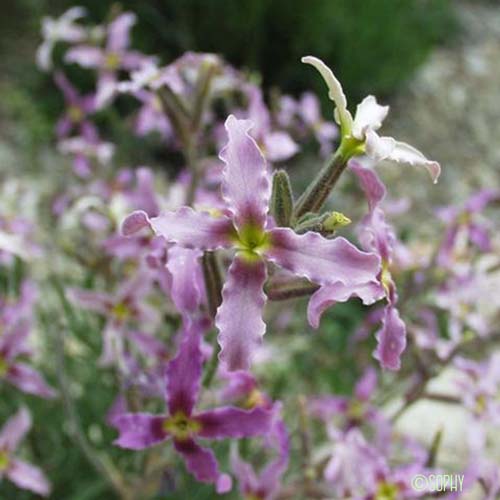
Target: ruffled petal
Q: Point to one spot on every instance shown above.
(14, 429)
(391, 339)
(139, 430)
(239, 317)
(230, 422)
(246, 185)
(335, 91)
(27, 379)
(184, 372)
(369, 116)
(321, 260)
(28, 477)
(386, 148)
(192, 229)
(329, 295)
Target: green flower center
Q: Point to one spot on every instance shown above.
(112, 61)
(121, 311)
(251, 240)
(4, 460)
(180, 426)
(387, 491)
(3, 366)
(356, 410)
(75, 114)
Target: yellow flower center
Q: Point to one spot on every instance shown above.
(112, 61)
(385, 277)
(180, 426)
(121, 311)
(75, 114)
(481, 403)
(4, 460)
(387, 491)
(255, 398)
(356, 410)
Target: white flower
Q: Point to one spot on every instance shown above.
(62, 29)
(360, 132)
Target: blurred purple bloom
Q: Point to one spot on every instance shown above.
(21, 473)
(78, 108)
(244, 226)
(109, 60)
(182, 425)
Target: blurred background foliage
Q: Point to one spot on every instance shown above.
(373, 45)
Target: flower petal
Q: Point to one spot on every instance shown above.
(201, 462)
(370, 182)
(187, 278)
(184, 372)
(28, 477)
(366, 385)
(192, 229)
(321, 260)
(85, 55)
(139, 430)
(328, 295)
(279, 146)
(369, 116)
(239, 317)
(231, 422)
(391, 339)
(119, 31)
(14, 429)
(135, 222)
(27, 379)
(245, 186)
(387, 148)
(335, 92)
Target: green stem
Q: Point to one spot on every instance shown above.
(320, 188)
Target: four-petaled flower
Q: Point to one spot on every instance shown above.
(21, 473)
(183, 425)
(244, 225)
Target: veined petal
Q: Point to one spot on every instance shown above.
(119, 30)
(239, 317)
(328, 295)
(184, 373)
(28, 477)
(369, 116)
(201, 462)
(246, 186)
(371, 184)
(27, 379)
(391, 339)
(14, 429)
(139, 430)
(321, 260)
(192, 229)
(230, 422)
(335, 92)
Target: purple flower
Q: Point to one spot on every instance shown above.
(21, 473)
(359, 134)
(182, 425)
(466, 221)
(244, 226)
(13, 344)
(109, 60)
(264, 485)
(78, 109)
(121, 309)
